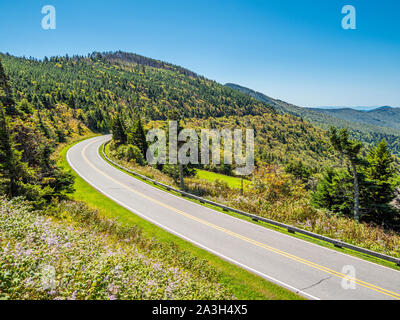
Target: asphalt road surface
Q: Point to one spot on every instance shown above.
(312, 271)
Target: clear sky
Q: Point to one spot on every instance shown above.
(296, 51)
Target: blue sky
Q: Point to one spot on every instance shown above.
(292, 50)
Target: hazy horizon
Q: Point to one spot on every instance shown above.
(358, 108)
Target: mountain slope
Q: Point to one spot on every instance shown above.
(91, 89)
(101, 84)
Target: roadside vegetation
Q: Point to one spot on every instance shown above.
(71, 252)
(277, 195)
(319, 200)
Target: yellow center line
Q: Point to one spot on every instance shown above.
(236, 235)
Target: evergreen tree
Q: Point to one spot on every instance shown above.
(350, 149)
(42, 127)
(299, 170)
(118, 130)
(334, 192)
(16, 177)
(380, 172)
(13, 171)
(5, 93)
(137, 136)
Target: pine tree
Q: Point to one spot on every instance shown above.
(16, 177)
(382, 190)
(335, 192)
(137, 136)
(12, 170)
(5, 93)
(118, 130)
(350, 149)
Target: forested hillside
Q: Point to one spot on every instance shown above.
(63, 96)
(369, 127)
(279, 138)
(96, 86)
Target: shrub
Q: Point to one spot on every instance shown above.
(133, 153)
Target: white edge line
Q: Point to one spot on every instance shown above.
(288, 286)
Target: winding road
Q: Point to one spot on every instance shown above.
(313, 271)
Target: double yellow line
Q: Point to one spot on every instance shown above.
(236, 235)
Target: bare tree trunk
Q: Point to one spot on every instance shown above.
(356, 193)
(182, 180)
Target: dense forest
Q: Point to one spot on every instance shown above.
(96, 86)
(279, 138)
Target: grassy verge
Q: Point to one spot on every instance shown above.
(243, 284)
(233, 182)
(279, 229)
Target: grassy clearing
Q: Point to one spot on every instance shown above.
(242, 283)
(233, 182)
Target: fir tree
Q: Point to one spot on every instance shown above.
(137, 136)
(12, 170)
(382, 190)
(118, 130)
(5, 93)
(334, 192)
(350, 149)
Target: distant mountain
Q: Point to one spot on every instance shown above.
(382, 116)
(369, 127)
(360, 108)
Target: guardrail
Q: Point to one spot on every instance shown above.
(291, 229)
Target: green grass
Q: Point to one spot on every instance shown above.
(233, 182)
(266, 225)
(245, 285)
